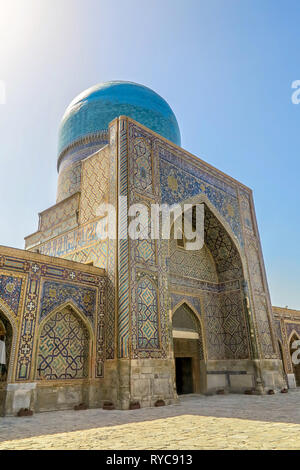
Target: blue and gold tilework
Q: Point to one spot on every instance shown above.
(52, 284)
(147, 319)
(56, 293)
(10, 291)
(181, 180)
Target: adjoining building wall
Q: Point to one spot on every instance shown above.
(56, 312)
(287, 327)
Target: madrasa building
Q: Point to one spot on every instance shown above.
(88, 319)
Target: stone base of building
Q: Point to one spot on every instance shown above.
(51, 395)
(272, 374)
(146, 381)
(239, 376)
(15, 396)
(141, 380)
(125, 381)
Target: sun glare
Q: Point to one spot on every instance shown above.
(17, 18)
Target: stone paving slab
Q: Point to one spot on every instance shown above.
(177, 433)
(197, 422)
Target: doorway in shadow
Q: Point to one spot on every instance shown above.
(184, 375)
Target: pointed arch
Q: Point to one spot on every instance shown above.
(71, 321)
(226, 263)
(8, 312)
(293, 333)
(202, 198)
(189, 350)
(202, 334)
(68, 304)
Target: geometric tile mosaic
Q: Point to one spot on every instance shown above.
(63, 348)
(148, 337)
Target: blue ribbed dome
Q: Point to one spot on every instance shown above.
(93, 110)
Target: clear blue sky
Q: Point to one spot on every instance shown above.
(224, 66)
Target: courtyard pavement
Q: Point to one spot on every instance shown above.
(196, 422)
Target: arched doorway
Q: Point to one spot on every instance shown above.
(64, 347)
(188, 350)
(212, 273)
(296, 367)
(6, 336)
